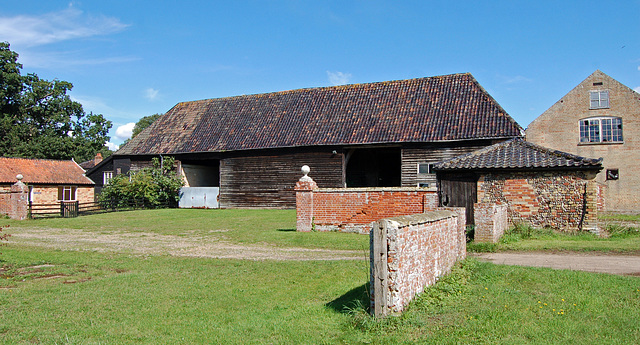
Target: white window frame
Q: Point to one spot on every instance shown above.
(429, 169)
(106, 176)
(603, 129)
(599, 99)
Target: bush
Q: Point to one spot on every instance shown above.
(148, 188)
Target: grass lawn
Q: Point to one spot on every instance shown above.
(620, 239)
(91, 297)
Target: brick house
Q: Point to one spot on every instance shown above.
(384, 134)
(540, 186)
(49, 181)
(598, 118)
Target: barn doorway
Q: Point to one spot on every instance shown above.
(374, 167)
(459, 190)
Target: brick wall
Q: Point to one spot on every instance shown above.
(563, 200)
(49, 194)
(5, 197)
(409, 253)
(353, 209)
(490, 221)
(558, 128)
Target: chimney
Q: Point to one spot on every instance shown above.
(97, 159)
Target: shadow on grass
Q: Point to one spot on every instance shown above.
(355, 298)
(287, 230)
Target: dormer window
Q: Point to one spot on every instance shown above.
(601, 130)
(599, 99)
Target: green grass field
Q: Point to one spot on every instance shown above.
(86, 296)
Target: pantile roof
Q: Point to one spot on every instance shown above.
(443, 108)
(42, 171)
(517, 154)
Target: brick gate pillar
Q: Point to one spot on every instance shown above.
(304, 201)
(19, 200)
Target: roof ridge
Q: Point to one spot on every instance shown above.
(342, 86)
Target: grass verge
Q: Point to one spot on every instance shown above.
(619, 240)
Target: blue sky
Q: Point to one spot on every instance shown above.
(129, 59)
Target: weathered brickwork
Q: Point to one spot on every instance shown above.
(558, 128)
(490, 221)
(353, 209)
(563, 200)
(409, 253)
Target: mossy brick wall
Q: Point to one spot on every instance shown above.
(563, 200)
(409, 253)
(353, 209)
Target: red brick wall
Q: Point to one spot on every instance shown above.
(5, 196)
(416, 250)
(353, 209)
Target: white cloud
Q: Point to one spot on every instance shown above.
(68, 24)
(124, 132)
(112, 146)
(150, 94)
(637, 89)
(514, 79)
(338, 78)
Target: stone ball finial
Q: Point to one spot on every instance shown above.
(19, 177)
(305, 170)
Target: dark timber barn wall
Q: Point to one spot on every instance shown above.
(267, 178)
(431, 154)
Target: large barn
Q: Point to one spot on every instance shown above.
(362, 135)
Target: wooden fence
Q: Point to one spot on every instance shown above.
(70, 209)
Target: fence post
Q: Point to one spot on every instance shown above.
(379, 270)
(304, 201)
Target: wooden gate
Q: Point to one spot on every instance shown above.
(459, 190)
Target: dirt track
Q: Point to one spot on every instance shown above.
(154, 244)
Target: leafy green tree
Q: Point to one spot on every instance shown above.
(141, 125)
(149, 187)
(38, 119)
(144, 123)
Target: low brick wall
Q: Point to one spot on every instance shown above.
(563, 200)
(490, 222)
(5, 198)
(353, 209)
(409, 253)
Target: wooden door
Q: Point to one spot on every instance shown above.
(459, 190)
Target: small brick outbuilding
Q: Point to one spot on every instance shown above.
(540, 186)
(48, 181)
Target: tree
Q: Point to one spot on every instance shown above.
(141, 125)
(149, 187)
(38, 119)
(144, 123)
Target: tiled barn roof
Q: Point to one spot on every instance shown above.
(517, 154)
(443, 108)
(42, 171)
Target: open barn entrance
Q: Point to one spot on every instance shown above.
(202, 184)
(373, 167)
(204, 173)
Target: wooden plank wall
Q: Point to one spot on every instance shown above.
(411, 156)
(261, 179)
